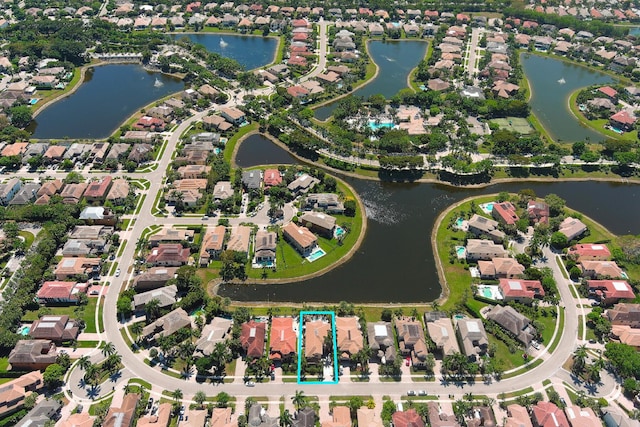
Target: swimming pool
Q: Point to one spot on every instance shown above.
(459, 222)
(33, 101)
(487, 207)
(339, 231)
(24, 330)
(316, 254)
(461, 251)
(373, 125)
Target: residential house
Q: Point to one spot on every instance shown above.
(484, 250)
(97, 190)
(382, 341)
(589, 252)
(140, 153)
(303, 240)
(624, 314)
(349, 337)
(283, 339)
(340, 417)
(305, 418)
(302, 184)
(119, 150)
(438, 418)
(518, 416)
(79, 419)
(252, 338)
(57, 292)
(522, 291)
(125, 414)
(166, 297)
(169, 255)
(272, 177)
(214, 332)
(98, 215)
(252, 179)
(547, 414)
(8, 190)
(482, 226)
(32, 355)
(212, 244)
(153, 278)
(582, 417)
(601, 269)
(610, 291)
(167, 325)
(14, 392)
(507, 268)
(514, 322)
(265, 247)
(408, 418)
(194, 171)
(216, 122)
(319, 223)
(55, 328)
(327, 202)
(626, 335)
(239, 239)
(26, 194)
(44, 411)
(623, 120)
(538, 212)
(34, 150)
(572, 228)
(222, 190)
(505, 213)
(170, 235)
(610, 93)
(15, 149)
(233, 115)
(472, 337)
(50, 187)
(160, 419)
(72, 193)
(442, 334)
(366, 418)
(79, 266)
(411, 341)
(315, 332)
(258, 417)
(119, 191)
(221, 417)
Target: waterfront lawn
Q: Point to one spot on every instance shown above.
(230, 146)
(456, 276)
(599, 124)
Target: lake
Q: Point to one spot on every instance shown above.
(395, 262)
(250, 51)
(257, 149)
(106, 98)
(552, 81)
(395, 60)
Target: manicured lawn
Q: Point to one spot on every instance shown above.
(90, 315)
(32, 315)
(231, 143)
(549, 323)
(28, 238)
(457, 277)
(4, 364)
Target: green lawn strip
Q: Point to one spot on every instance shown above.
(546, 382)
(231, 143)
(523, 369)
(562, 269)
(580, 327)
(418, 399)
(549, 323)
(113, 269)
(123, 244)
(386, 379)
(90, 315)
(4, 364)
(155, 210)
(94, 408)
(553, 346)
(87, 344)
(125, 336)
(517, 393)
(28, 238)
(139, 207)
(124, 224)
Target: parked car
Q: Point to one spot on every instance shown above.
(117, 272)
(250, 384)
(411, 393)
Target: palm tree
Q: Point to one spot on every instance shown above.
(114, 361)
(92, 374)
(136, 329)
(84, 362)
(177, 395)
(579, 357)
(286, 420)
(108, 348)
(200, 397)
(153, 309)
(299, 399)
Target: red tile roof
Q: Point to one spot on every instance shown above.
(590, 250)
(506, 212)
(272, 177)
(252, 338)
(623, 117)
(547, 414)
(609, 91)
(283, 337)
(514, 288)
(58, 290)
(98, 189)
(618, 289)
(408, 418)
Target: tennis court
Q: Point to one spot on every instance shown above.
(514, 124)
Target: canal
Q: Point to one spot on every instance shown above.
(395, 262)
(250, 51)
(395, 60)
(552, 81)
(108, 95)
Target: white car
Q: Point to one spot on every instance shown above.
(117, 272)
(250, 384)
